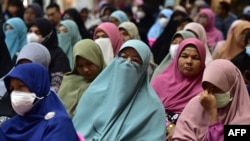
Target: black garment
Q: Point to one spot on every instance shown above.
(161, 46)
(242, 61)
(72, 13)
(5, 60)
(145, 23)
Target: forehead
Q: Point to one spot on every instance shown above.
(34, 28)
(190, 48)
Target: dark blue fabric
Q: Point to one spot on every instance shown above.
(33, 126)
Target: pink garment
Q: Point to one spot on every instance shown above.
(199, 31)
(213, 34)
(193, 124)
(81, 138)
(174, 89)
(215, 132)
(113, 33)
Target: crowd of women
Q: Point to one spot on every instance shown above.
(126, 74)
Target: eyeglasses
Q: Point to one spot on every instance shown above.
(132, 59)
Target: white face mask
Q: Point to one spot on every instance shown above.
(173, 50)
(140, 14)
(163, 22)
(107, 49)
(134, 9)
(22, 102)
(223, 99)
(32, 37)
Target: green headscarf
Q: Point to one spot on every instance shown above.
(67, 40)
(167, 60)
(120, 104)
(73, 84)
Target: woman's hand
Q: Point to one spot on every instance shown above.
(208, 101)
(170, 132)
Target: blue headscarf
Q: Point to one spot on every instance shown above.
(156, 30)
(34, 126)
(67, 40)
(15, 39)
(120, 104)
(120, 16)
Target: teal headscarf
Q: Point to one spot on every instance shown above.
(167, 60)
(120, 16)
(16, 38)
(67, 40)
(120, 104)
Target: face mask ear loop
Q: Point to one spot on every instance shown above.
(46, 38)
(40, 98)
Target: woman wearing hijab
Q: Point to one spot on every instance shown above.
(88, 64)
(234, 43)
(180, 82)
(161, 46)
(223, 101)
(33, 11)
(30, 53)
(242, 59)
(108, 37)
(158, 27)
(5, 60)
(15, 32)
(200, 33)
(40, 114)
(207, 19)
(117, 17)
(128, 31)
(43, 32)
(176, 40)
(112, 106)
(14, 8)
(73, 14)
(68, 34)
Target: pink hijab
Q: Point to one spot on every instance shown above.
(174, 89)
(194, 120)
(212, 33)
(113, 33)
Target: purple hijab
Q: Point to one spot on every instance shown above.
(173, 88)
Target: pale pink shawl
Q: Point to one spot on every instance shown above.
(194, 121)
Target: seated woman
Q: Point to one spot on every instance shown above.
(40, 114)
(177, 38)
(116, 105)
(31, 52)
(224, 100)
(108, 37)
(88, 64)
(180, 82)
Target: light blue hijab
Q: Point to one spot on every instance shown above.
(120, 103)
(156, 30)
(67, 40)
(15, 39)
(120, 16)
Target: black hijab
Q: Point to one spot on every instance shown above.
(59, 60)
(161, 46)
(75, 15)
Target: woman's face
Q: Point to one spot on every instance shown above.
(86, 68)
(114, 21)
(62, 29)
(211, 88)
(241, 38)
(177, 40)
(17, 85)
(101, 34)
(203, 20)
(131, 55)
(29, 15)
(35, 29)
(189, 61)
(124, 34)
